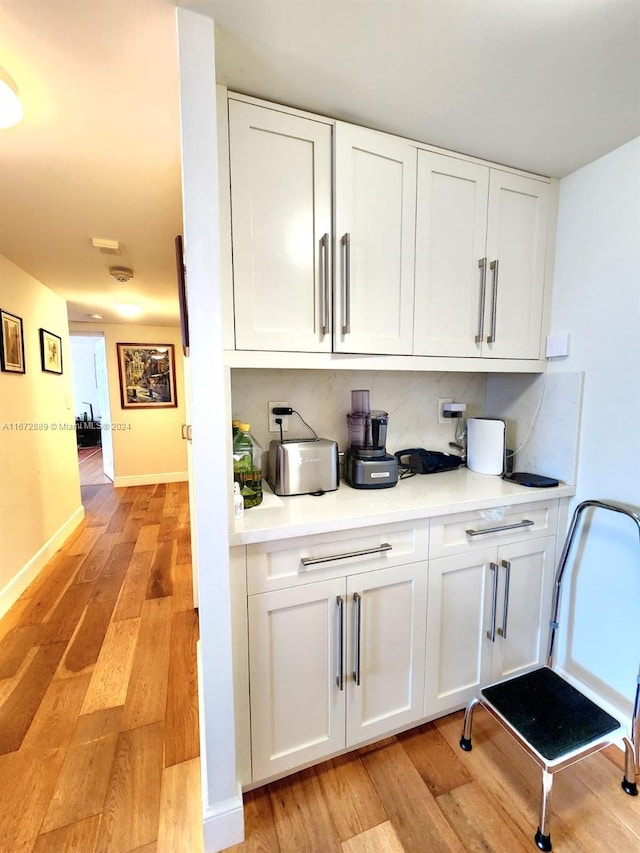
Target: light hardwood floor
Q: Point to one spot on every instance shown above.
(92, 471)
(98, 699)
(99, 729)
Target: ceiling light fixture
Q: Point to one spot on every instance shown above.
(128, 309)
(11, 111)
(95, 316)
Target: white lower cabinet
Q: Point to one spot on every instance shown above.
(487, 618)
(334, 663)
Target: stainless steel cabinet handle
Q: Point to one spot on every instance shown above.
(482, 263)
(494, 308)
(524, 523)
(340, 675)
(324, 254)
(505, 607)
(314, 561)
(346, 283)
(491, 633)
(357, 601)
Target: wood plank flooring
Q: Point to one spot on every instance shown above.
(92, 471)
(99, 729)
(98, 694)
(419, 793)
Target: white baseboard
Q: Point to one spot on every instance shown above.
(151, 479)
(223, 824)
(20, 581)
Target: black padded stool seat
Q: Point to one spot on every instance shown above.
(550, 714)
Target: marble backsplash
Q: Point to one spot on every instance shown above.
(323, 398)
(543, 420)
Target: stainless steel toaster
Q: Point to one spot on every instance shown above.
(299, 467)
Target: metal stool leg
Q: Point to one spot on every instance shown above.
(543, 835)
(629, 784)
(465, 740)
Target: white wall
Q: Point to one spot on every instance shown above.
(222, 798)
(597, 300)
(147, 443)
(40, 501)
(85, 389)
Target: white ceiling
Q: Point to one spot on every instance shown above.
(543, 85)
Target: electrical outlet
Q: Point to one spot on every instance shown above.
(273, 426)
(441, 402)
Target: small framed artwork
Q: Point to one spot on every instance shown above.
(11, 343)
(147, 376)
(50, 352)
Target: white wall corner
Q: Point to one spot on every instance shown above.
(31, 569)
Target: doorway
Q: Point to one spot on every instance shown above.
(91, 409)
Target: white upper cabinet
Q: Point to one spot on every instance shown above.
(480, 260)
(451, 233)
(346, 240)
(516, 251)
(375, 186)
(281, 229)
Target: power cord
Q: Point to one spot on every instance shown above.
(287, 410)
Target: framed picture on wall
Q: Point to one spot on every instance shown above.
(147, 376)
(11, 343)
(50, 352)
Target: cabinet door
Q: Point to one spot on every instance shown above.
(375, 180)
(297, 707)
(450, 279)
(516, 248)
(281, 208)
(524, 606)
(385, 650)
(458, 619)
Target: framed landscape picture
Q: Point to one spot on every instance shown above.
(11, 343)
(147, 376)
(50, 352)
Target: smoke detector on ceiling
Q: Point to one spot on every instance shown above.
(121, 274)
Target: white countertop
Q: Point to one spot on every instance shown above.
(421, 496)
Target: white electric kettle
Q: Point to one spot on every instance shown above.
(486, 439)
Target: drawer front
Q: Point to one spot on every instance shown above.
(290, 562)
(465, 531)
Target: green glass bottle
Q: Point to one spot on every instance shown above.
(247, 466)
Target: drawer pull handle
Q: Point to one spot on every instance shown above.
(314, 561)
(524, 523)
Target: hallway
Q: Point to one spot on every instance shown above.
(98, 693)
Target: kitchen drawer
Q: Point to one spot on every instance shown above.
(279, 564)
(451, 534)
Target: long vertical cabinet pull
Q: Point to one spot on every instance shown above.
(491, 633)
(495, 268)
(505, 607)
(357, 601)
(326, 298)
(346, 283)
(340, 644)
(482, 263)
